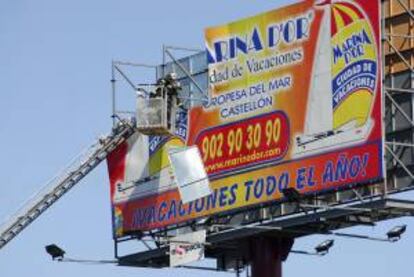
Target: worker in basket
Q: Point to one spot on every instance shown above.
(168, 88)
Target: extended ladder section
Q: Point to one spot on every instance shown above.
(64, 181)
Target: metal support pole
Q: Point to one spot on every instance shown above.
(383, 70)
(180, 48)
(164, 60)
(116, 249)
(399, 90)
(113, 81)
(133, 64)
(126, 78)
(267, 255)
(185, 71)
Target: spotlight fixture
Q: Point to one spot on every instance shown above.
(320, 250)
(323, 248)
(55, 251)
(395, 233)
(291, 194)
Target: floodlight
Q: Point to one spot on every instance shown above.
(324, 247)
(395, 233)
(55, 251)
(291, 194)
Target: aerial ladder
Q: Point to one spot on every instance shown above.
(155, 116)
(81, 166)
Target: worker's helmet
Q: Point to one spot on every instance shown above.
(171, 76)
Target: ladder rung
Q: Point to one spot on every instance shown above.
(66, 181)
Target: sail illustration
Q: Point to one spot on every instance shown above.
(343, 82)
(319, 113)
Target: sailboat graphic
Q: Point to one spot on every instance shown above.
(343, 82)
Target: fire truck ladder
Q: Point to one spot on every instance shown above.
(84, 163)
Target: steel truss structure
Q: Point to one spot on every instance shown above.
(398, 59)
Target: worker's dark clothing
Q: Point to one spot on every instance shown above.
(168, 87)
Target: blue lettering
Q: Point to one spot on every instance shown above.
(311, 181)
(301, 179)
(271, 185)
(248, 185)
(258, 188)
(212, 200)
(199, 204)
(341, 168)
(328, 173)
(172, 213)
(289, 31)
(223, 196)
(233, 195)
(161, 213)
(181, 209)
(284, 181)
(354, 167)
(364, 164)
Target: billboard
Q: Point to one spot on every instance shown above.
(294, 101)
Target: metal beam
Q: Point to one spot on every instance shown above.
(397, 106)
(399, 162)
(396, 51)
(408, 11)
(185, 71)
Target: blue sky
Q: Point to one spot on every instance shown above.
(55, 100)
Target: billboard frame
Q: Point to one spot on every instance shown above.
(376, 193)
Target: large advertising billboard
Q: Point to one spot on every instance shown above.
(294, 101)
